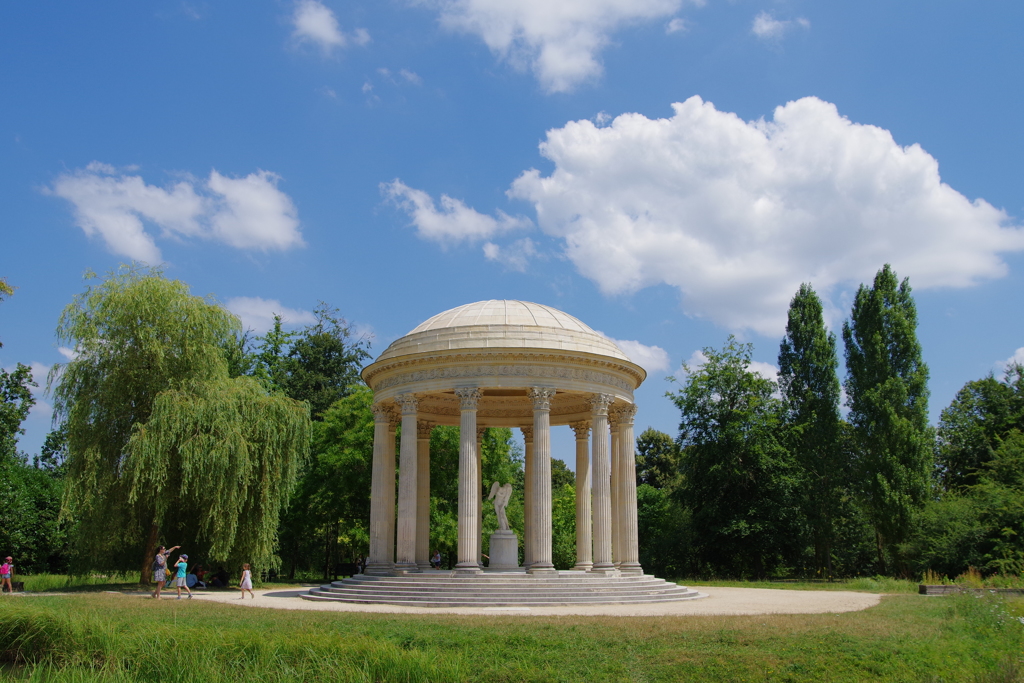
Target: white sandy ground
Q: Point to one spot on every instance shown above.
(717, 601)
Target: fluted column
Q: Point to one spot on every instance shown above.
(382, 505)
(630, 558)
(527, 496)
(616, 480)
(601, 483)
(469, 523)
(423, 429)
(405, 559)
(480, 494)
(584, 546)
(541, 533)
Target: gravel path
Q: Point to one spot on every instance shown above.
(718, 601)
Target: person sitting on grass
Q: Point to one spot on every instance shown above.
(180, 581)
(6, 571)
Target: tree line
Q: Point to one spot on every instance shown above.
(175, 426)
(769, 478)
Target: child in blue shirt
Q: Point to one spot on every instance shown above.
(179, 580)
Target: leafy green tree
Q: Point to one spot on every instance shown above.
(561, 475)
(563, 524)
(160, 440)
(664, 532)
(810, 391)
(973, 426)
(15, 403)
(738, 478)
(657, 458)
(327, 522)
(887, 392)
(323, 361)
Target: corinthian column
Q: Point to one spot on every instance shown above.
(480, 495)
(382, 505)
(584, 547)
(469, 493)
(616, 476)
(630, 557)
(423, 493)
(541, 504)
(527, 496)
(601, 484)
(407, 488)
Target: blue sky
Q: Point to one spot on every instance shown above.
(668, 171)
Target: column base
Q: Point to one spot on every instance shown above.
(378, 568)
(606, 569)
(423, 566)
(402, 568)
(631, 568)
(468, 568)
(583, 566)
(538, 568)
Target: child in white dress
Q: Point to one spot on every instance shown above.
(246, 583)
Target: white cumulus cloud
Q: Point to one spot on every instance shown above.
(650, 358)
(1016, 359)
(313, 22)
(736, 214)
(515, 256)
(767, 27)
(454, 222)
(257, 314)
(558, 41)
(247, 213)
(698, 359)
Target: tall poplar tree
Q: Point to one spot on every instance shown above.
(161, 442)
(809, 385)
(887, 392)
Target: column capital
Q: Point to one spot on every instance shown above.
(527, 433)
(408, 403)
(541, 397)
(423, 428)
(469, 397)
(626, 414)
(582, 429)
(381, 412)
(599, 403)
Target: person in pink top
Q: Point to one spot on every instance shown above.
(6, 570)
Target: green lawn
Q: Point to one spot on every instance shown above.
(122, 638)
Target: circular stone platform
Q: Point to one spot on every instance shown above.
(500, 589)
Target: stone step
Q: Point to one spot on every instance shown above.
(415, 580)
(455, 601)
(503, 588)
(504, 595)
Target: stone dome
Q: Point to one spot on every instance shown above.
(502, 324)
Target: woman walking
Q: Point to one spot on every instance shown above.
(160, 568)
(246, 583)
(6, 570)
(181, 579)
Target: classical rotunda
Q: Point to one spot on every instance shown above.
(504, 364)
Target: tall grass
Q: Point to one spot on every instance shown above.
(177, 646)
(101, 637)
(57, 582)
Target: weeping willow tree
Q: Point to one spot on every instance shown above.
(162, 444)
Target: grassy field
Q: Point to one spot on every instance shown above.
(104, 637)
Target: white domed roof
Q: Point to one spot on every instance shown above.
(501, 323)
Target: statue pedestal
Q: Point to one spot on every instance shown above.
(504, 550)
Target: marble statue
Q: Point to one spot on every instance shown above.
(501, 495)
